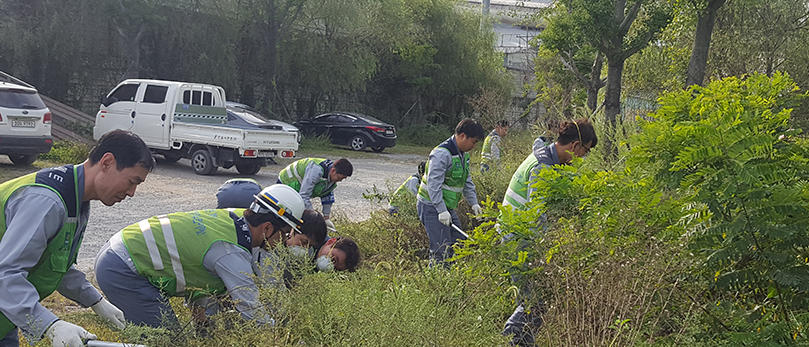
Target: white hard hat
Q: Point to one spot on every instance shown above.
(283, 201)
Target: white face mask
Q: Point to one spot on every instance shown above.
(298, 251)
(324, 264)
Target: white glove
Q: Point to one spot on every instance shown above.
(109, 312)
(476, 209)
(445, 218)
(64, 334)
(330, 226)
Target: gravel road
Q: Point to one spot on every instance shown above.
(174, 187)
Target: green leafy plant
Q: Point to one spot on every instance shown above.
(727, 149)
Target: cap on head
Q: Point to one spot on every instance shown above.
(283, 201)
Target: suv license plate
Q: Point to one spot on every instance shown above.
(23, 123)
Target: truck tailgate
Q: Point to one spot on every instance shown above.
(232, 137)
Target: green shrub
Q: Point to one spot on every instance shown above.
(423, 135)
(728, 150)
(67, 152)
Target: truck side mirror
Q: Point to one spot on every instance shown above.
(103, 100)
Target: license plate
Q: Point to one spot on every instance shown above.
(388, 132)
(23, 123)
(265, 155)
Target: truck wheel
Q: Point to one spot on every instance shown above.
(22, 159)
(378, 149)
(202, 163)
(248, 169)
(358, 143)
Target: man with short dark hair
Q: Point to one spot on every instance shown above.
(43, 220)
(338, 254)
(446, 180)
(316, 178)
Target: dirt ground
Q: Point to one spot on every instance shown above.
(174, 187)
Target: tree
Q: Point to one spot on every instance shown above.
(131, 19)
(618, 29)
(702, 40)
(563, 37)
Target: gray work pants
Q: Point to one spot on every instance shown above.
(139, 299)
(441, 236)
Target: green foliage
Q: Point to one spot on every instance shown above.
(728, 150)
(425, 134)
(67, 152)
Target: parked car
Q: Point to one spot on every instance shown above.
(25, 124)
(246, 116)
(354, 130)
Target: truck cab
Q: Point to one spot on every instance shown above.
(190, 120)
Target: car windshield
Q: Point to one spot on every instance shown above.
(17, 98)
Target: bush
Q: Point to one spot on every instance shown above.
(67, 152)
(423, 135)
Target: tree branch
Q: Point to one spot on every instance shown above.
(630, 17)
(572, 68)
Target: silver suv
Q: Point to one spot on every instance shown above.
(25, 124)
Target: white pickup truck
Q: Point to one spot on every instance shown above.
(190, 120)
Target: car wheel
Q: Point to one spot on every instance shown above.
(248, 169)
(23, 159)
(357, 143)
(202, 163)
(171, 158)
(378, 149)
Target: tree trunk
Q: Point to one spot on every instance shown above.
(272, 49)
(702, 42)
(612, 101)
(595, 83)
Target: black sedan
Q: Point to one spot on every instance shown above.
(355, 130)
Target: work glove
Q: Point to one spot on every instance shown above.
(64, 334)
(476, 209)
(445, 218)
(330, 226)
(109, 312)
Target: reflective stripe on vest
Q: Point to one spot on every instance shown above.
(454, 179)
(169, 249)
(59, 254)
(517, 192)
(294, 173)
(486, 152)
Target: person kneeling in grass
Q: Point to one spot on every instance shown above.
(200, 253)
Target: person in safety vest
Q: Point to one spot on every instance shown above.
(446, 180)
(490, 154)
(333, 255)
(338, 254)
(201, 253)
(42, 222)
(575, 138)
(316, 178)
(237, 193)
(410, 187)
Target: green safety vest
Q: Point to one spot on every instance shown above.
(293, 174)
(168, 249)
(486, 152)
(455, 178)
(517, 192)
(58, 255)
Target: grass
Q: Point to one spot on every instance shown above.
(320, 146)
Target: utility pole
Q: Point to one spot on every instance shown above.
(485, 11)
